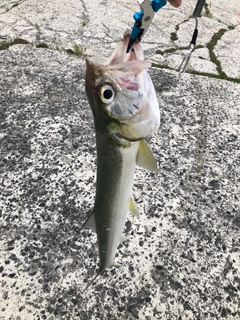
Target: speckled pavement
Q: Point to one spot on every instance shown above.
(181, 259)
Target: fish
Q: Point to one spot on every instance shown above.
(126, 112)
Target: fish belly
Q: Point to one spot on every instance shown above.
(115, 174)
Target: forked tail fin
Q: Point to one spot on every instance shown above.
(94, 278)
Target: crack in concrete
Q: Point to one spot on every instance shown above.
(6, 45)
(77, 50)
(13, 6)
(207, 12)
(210, 46)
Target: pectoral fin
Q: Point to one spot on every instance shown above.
(133, 207)
(145, 157)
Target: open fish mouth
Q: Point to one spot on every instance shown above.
(120, 55)
(123, 94)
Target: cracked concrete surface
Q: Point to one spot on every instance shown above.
(95, 27)
(181, 259)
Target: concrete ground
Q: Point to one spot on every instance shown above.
(181, 259)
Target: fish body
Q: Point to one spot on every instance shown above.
(113, 194)
(125, 110)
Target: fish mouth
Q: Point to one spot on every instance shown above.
(128, 75)
(136, 107)
(120, 140)
(122, 94)
(132, 131)
(121, 56)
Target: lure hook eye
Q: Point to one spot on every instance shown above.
(106, 94)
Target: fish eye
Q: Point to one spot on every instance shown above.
(107, 94)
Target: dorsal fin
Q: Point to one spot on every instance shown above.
(145, 157)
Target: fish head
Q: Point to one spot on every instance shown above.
(121, 94)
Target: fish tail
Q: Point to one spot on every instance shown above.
(100, 272)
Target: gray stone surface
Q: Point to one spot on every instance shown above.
(181, 259)
(95, 27)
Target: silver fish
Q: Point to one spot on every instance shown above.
(126, 111)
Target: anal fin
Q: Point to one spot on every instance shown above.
(90, 222)
(133, 207)
(122, 238)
